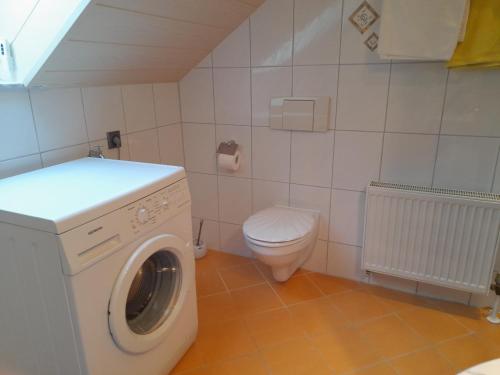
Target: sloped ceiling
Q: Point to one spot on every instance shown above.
(140, 41)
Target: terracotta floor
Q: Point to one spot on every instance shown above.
(316, 324)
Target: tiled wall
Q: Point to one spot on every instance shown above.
(39, 128)
(413, 123)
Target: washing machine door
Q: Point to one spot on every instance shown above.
(149, 293)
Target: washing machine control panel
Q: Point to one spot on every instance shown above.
(157, 207)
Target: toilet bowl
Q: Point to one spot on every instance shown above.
(282, 238)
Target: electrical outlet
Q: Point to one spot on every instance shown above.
(6, 61)
(114, 139)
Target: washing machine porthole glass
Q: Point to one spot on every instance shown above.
(154, 292)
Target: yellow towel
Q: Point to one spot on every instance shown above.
(481, 45)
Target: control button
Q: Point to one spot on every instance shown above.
(142, 215)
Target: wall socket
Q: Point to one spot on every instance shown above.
(114, 139)
(6, 62)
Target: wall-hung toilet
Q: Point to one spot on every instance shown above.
(282, 238)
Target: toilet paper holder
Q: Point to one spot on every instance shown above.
(227, 148)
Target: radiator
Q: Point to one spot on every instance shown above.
(437, 236)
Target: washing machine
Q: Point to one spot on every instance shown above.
(96, 269)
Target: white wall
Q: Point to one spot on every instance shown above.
(39, 128)
(14, 14)
(413, 123)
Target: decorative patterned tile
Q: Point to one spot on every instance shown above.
(372, 42)
(363, 17)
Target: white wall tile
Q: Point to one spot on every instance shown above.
(232, 96)
(266, 84)
(235, 199)
(199, 147)
(357, 159)
(272, 33)
(408, 158)
(59, 117)
(317, 260)
(103, 111)
(362, 97)
(232, 241)
(143, 146)
(312, 157)
(313, 198)
(209, 232)
(317, 81)
(166, 98)
(471, 106)
(13, 167)
(317, 31)
(344, 261)
(234, 51)
(271, 154)
(197, 101)
(392, 282)
(139, 107)
(347, 216)
(18, 135)
(204, 198)
(269, 193)
(446, 294)
(416, 96)
(353, 48)
(123, 153)
(171, 144)
(466, 162)
(242, 135)
(63, 155)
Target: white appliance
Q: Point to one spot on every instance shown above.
(96, 269)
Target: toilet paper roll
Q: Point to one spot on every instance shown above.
(229, 162)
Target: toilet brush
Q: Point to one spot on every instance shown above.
(199, 233)
(200, 248)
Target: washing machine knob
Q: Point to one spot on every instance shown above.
(142, 215)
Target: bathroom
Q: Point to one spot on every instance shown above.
(406, 120)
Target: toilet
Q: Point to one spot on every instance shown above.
(282, 238)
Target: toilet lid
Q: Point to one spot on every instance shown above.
(278, 224)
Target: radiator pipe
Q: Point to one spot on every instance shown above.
(493, 317)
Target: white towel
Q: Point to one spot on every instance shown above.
(421, 29)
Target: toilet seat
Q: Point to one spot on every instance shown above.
(279, 226)
(274, 244)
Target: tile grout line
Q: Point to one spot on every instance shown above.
(215, 146)
(250, 157)
(155, 115)
(440, 128)
(37, 137)
(495, 171)
(84, 116)
(388, 92)
(340, 130)
(293, 94)
(334, 129)
(181, 117)
(124, 118)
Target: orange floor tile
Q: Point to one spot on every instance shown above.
(317, 324)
